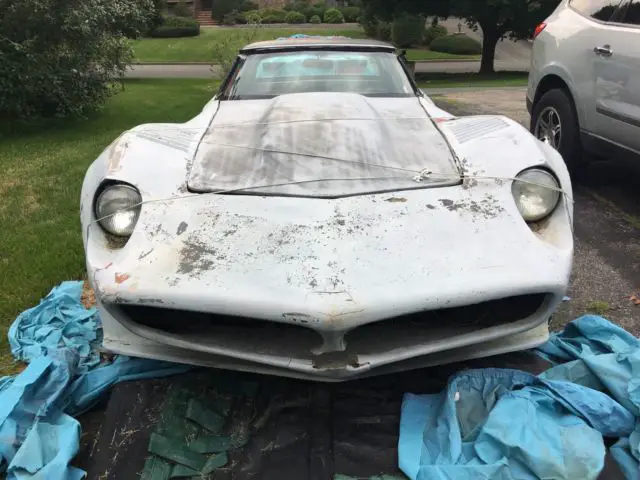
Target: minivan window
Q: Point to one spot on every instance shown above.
(632, 14)
(601, 10)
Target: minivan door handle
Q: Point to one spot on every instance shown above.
(604, 51)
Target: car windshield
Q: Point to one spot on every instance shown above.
(369, 73)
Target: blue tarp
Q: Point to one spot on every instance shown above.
(487, 424)
(507, 424)
(65, 376)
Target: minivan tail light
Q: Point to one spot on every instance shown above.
(539, 30)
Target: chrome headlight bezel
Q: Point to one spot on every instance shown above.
(536, 193)
(117, 208)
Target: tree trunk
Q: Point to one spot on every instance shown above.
(489, 42)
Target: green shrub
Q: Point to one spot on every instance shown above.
(227, 8)
(175, 32)
(350, 14)
(252, 17)
(306, 8)
(315, 19)
(459, 44)
(220, 8)
(315, 9)
(272, 15)
(246, 5)
(232, 18)
(333, 15)
(181, 9)
(433, 32)
(369, 23)
(174, 27)
(160, 6)
(295, 17)
(62, 57)
(406, 30)
(224, 48)
(383, 31)
(176, 21)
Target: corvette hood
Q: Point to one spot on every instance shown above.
(319, 144)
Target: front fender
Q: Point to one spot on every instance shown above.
(496, 148)
(154, 157)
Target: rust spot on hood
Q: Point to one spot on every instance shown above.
(121, 277)
(113, 242)
(116, 152)
(396, 200)
(88, 297)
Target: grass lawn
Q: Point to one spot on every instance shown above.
(43, 167)
(198, 49)
(457, 80)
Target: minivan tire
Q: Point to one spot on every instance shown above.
(559, 101)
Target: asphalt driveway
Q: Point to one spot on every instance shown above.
(607, 222)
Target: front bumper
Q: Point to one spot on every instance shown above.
(119, 339)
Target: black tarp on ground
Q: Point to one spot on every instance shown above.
(283, 429)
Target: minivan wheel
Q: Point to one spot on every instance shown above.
(554, 121)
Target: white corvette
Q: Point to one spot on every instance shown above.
(321, 218)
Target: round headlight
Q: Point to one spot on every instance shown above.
(118, 209)
(536, 193)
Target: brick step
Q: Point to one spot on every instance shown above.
(204, 18)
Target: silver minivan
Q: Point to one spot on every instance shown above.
(584, 83)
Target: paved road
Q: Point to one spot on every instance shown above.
(607, 222)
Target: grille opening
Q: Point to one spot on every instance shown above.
(227, 330)
(485, 314)
(422, 328)
(432, 326)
